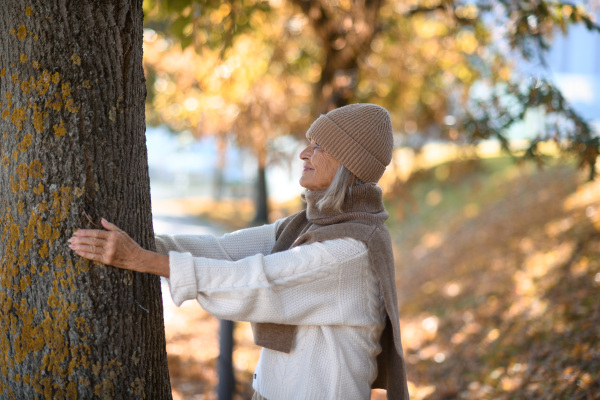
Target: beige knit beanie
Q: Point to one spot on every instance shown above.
(359, 136)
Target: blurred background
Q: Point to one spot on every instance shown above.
(494, 209)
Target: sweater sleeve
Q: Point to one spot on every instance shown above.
(232, 246)
(328, 283)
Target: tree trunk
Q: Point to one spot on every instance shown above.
(225, 364)
(73, 150)
(346, 36)
(262, 197)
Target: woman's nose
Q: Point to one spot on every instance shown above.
(305, 154)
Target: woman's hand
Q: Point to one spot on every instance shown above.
(114, 247)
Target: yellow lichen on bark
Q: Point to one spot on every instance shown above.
(38, 119)
(70, 106)
(28, 11)
(55, 104)
(35, 169)
(59, 130)
(25, 143)
(43, 251)
(17, 117)
(61, 204)
(25, 87)
(20, 206)
(39, 189)
(76, 59)
(21, 32)
(23, 58)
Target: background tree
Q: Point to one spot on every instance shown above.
(73, 150)
(428, 62)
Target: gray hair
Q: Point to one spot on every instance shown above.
(336, 192)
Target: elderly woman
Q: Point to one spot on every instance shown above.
(318, 286)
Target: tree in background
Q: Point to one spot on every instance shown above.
(72, 151)
(444, 69)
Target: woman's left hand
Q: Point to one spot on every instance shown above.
(112, 247)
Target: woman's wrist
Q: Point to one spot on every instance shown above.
(155, 263)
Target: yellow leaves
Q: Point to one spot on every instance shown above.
(467, 42)
(216, 17)
(429, 28)
(468, 11)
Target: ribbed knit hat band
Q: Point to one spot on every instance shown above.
(359, 136)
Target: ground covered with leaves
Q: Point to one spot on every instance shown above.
(498, 275)
(499, 290)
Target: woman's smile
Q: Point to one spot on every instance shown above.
(319, 167)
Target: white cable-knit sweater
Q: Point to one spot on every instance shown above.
(328, 289)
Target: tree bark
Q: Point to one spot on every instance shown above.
(225, 364)
(73, 150)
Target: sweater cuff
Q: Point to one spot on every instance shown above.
(182, 277)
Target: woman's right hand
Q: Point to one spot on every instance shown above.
(115, 247)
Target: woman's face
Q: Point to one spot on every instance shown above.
(319, 167)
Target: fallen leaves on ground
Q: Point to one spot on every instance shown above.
(504, 305)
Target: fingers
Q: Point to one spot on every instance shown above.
(88, 240)
(109, 226)
(91, 256)
(95, 233)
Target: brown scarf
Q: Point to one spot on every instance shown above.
(362, 218)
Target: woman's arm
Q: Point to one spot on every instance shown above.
(329, 283)
(231, 246)
(115, 247)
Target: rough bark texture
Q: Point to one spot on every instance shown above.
(72, 150)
